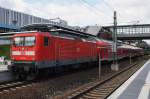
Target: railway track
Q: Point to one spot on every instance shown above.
(12, 85)
(48, 89)
(102, 89)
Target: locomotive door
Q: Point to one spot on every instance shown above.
(56, 50)
(104, 53)
(46, 53)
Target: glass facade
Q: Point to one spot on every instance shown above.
(12, 18)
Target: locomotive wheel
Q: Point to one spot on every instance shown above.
(22, 77)
(32, 75)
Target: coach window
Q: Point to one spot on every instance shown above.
(46, 41)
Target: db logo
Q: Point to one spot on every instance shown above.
(22, 53)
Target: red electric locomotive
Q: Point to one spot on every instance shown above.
(35, 50)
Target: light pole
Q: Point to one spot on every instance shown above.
(115, 66)
(99, 65)
(115, 37)
(130, 58)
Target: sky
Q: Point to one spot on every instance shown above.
(85, 12)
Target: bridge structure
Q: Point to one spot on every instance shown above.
(124, 32)
(132, 32)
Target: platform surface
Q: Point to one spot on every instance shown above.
(136, 87)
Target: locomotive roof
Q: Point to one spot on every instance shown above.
(8, 35)
(51, 27)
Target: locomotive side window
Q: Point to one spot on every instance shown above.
(46, 41)
(55, 33)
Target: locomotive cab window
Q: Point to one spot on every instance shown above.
(24, 41)
(18, 41)
(46, 41)
(29, 41)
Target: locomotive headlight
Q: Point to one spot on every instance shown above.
(32, 53)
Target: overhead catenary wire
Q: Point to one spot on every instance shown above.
(108, 5)
(112, 8)
(98, 9)
(119, 14)
(93, 8)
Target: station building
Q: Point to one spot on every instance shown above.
(11, 20)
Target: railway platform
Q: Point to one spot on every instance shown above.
(136, 87)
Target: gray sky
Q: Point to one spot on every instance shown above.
(85, 12)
